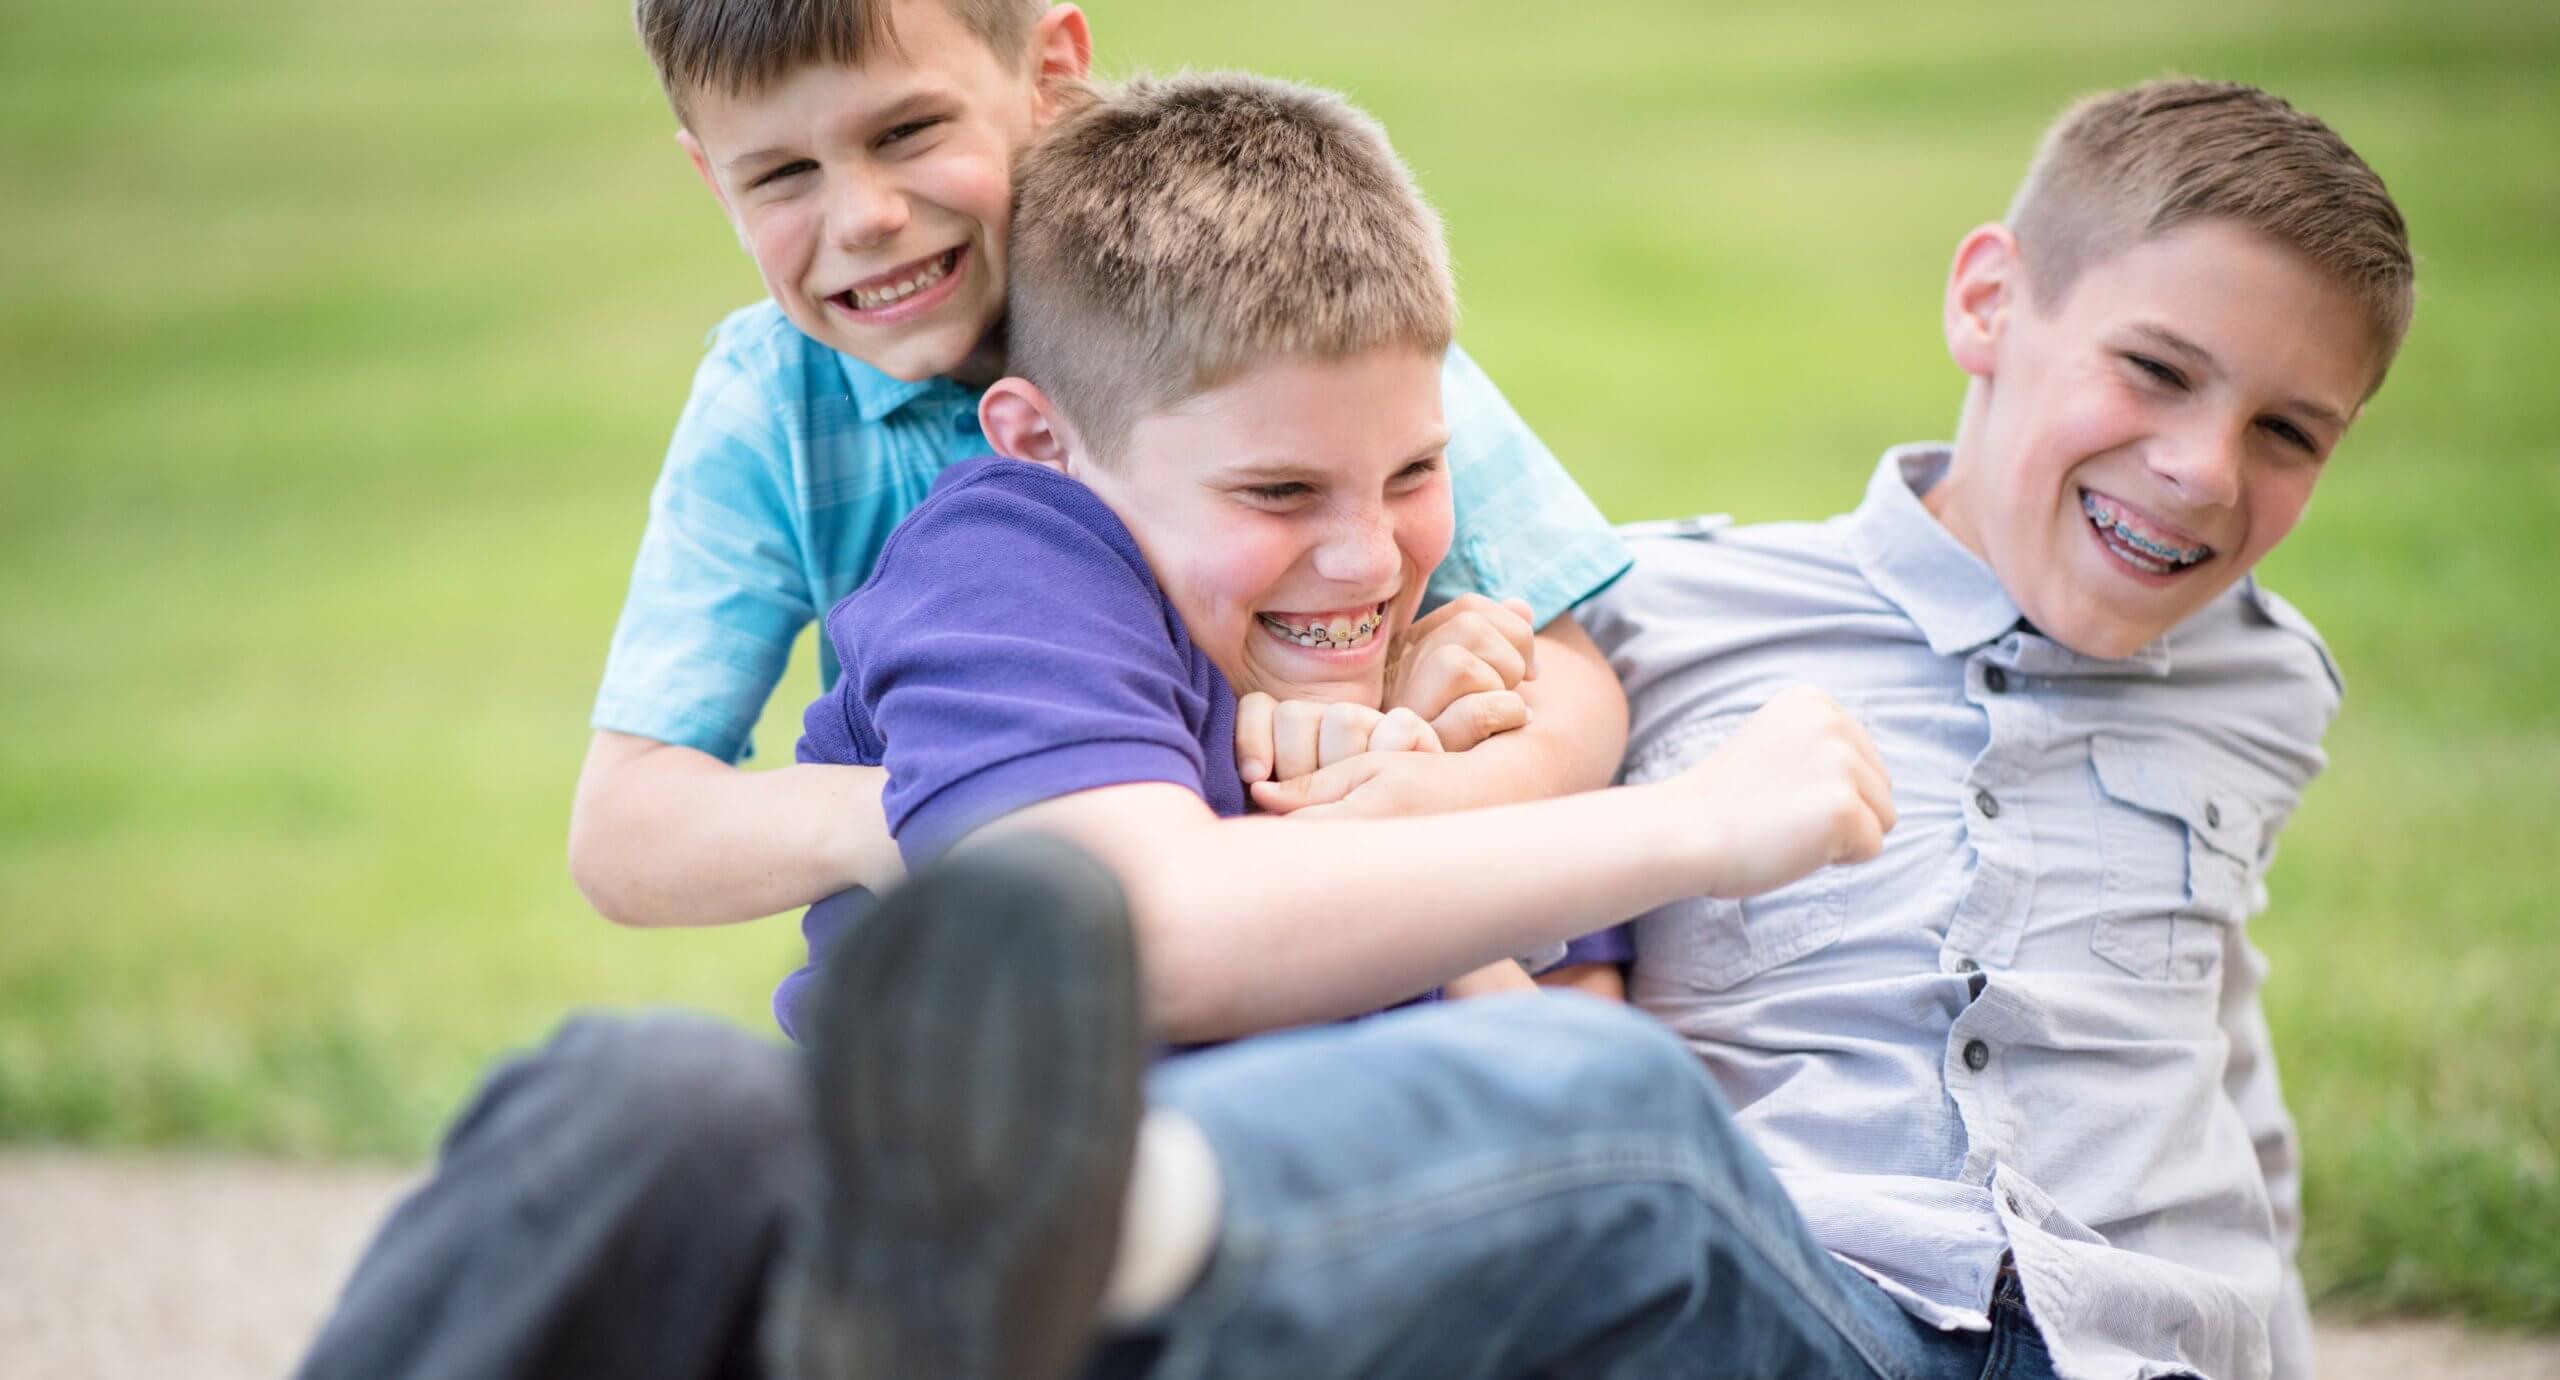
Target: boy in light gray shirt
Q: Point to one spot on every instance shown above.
(2027, 1040)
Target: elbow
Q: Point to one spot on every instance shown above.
(591, 867)
(1182, 993)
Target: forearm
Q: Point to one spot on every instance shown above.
(1577, 730)
(1242, 931)
(664, 835)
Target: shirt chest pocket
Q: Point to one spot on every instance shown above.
(2174, 849)
(1709, 943)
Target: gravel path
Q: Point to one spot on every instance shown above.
(218, 1269)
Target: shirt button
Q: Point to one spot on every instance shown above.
(2212, 815)
(1977, 1055)
(1987, 803)
(1995, 680)
(2013, 1204)
(1966, 965)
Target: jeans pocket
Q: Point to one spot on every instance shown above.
(2175, 847)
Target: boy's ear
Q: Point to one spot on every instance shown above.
(1061, 53)
(702, 168)
(1021, 422)
(1983, 287)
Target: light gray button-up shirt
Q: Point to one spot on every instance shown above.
(2032, 1025)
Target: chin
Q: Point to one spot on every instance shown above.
(2108, 639)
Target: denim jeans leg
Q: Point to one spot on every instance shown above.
(1529, 1186)
(606, 1206)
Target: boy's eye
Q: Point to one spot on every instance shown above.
(793, 168)
(900, 133)
(2290, 434)
(2159, 372)
(1277, 493)
(1419, 470)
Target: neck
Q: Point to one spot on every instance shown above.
(1945, 498)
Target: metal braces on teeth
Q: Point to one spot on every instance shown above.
(2166, 555)
(1320, 635)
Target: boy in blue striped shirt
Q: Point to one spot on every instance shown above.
(863, 152)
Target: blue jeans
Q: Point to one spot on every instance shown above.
(1541, 1185)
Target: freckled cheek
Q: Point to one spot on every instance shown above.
(780, 242)
(1236, 577)
(1425, 528)
(977, 188)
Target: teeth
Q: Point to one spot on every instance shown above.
(1341, 631)
(904, 288)
(2158, 557)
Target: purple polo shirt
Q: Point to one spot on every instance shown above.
(1011, 647)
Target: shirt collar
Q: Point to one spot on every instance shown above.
(1917, 563)
(876, 395)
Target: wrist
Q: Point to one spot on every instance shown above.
(1691, 849)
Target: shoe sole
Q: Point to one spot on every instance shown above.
(975, 1048)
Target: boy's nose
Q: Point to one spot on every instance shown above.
(2205, 465)
(864, 214)
(1359, 551)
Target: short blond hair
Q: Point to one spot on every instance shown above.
(1168, 235)
(2124, 167)
(744, 47)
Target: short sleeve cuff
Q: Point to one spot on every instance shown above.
(1590, 567)
(725, 739)
(1580, 569)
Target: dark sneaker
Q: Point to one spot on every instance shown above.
(975, 1044)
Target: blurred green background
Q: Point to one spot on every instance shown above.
(339, 340)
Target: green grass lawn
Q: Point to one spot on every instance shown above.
(339, 342)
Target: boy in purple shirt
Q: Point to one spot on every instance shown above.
(1012, 647)
(1228, 478)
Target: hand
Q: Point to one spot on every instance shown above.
(1798, 787)
(1286, 739)
(1461, 667)
(1382, 785)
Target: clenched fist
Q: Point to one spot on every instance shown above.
(1798, 787)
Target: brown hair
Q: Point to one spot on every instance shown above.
(1171, 234)
(741, 47)
(2126, 166)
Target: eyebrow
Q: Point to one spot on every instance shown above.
(2177, 344)
(890, 116)
(1280, 470)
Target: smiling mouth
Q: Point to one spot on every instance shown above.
(2136, 542)
(899, 284)
(1340, 630)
